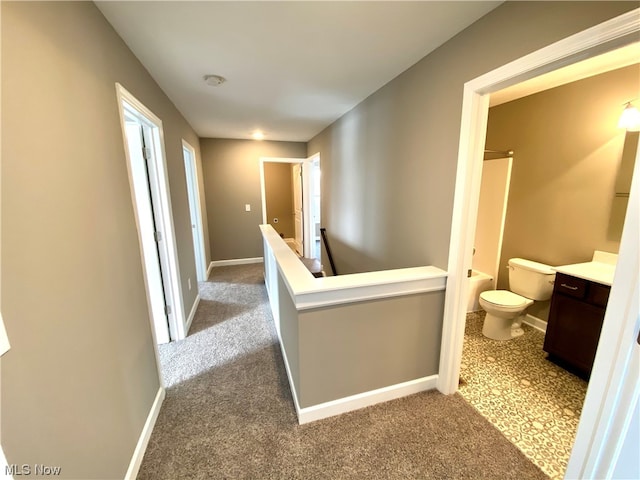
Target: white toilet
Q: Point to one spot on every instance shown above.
(505, 309)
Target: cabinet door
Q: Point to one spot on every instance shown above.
(573, 331)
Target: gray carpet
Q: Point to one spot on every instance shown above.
(228, 413)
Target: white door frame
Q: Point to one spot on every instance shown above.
(193, 192)
(590, 456)
(128, 105)
(307, 165)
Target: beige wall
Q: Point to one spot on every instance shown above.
(388, 166)
(232, 179)
(568, 148)
(278, 183)
(344, 350)
(81, 376)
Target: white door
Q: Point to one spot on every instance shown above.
(194, 210)
(298, 213)
(148, 177)
(147, 227)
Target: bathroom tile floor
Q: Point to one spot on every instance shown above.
(532, 401)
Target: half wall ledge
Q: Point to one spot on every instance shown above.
(352, 341)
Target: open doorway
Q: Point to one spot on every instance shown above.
(144, 150)
(596, 448)
(195, 213)
(291, 200)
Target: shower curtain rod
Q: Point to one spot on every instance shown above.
(506, 153)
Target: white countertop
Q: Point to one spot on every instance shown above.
(601, 269)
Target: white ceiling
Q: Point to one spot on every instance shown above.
(292, 68)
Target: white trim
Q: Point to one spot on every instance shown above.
(234, 261)
(4, 465)
(365, 399)
(535, 322)
(198, 240)
(173, 289)
(145, 435)
(192, 314)
(308, 236)
(5, 346)
(211, 265)
(308, 292)
(588, 459)
(292, 387)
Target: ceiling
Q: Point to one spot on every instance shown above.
(291, 68)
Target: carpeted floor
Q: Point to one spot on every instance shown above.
(535, 403)
(228, 413)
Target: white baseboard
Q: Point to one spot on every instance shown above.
(209, 270)
(235, 261)
(143, 441)
(191, 315)
(358, 401)
(365, 399)
(535, 322)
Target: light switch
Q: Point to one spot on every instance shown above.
(247, 207)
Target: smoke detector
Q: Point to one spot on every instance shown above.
(214, 80)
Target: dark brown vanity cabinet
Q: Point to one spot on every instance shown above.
(575, 321)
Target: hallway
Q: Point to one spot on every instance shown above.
(228, 412)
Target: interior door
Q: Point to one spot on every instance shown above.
(298, 205)
(194, 211)
(143, 192)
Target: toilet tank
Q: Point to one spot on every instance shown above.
(531, 279)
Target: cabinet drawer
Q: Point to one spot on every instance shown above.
(598, 294)
(567, 285)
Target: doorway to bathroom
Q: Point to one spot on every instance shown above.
(592, 453)
(561, 208)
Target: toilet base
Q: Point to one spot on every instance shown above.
(497, 328)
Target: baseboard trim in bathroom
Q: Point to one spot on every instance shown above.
(235, 261)
(535, 322)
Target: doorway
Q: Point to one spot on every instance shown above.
(304, 199)
(144, 151)
(193, 192)
(595, 449)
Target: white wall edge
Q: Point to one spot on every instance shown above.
(4, 465)
(143, 441)
(309, 292)
(535, 322)
(234, 261)
(192, 314)
(365, 399)
(331, 298)
(294, 395)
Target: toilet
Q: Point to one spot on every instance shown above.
(505, 309)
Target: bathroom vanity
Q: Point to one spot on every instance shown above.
(578, 305)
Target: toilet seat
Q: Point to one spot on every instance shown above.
(504, 298)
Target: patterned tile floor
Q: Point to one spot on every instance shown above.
(533, 402)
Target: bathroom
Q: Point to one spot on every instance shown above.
(559, 198)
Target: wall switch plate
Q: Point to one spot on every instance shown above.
(189, 282)
(247, 207)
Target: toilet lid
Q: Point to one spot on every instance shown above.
(503, 297)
